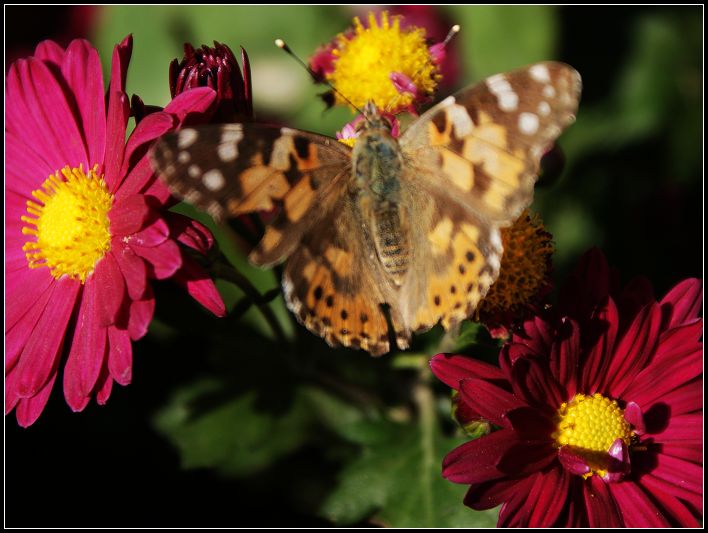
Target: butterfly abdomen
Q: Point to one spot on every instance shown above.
(391, 238)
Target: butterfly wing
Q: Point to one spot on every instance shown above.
(472, 161)
(335, 285)
(232, 169)
(482, 147)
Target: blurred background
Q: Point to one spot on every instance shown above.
(223, 426)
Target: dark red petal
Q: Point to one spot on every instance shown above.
(88, 350)
(633, 350)
(110, 290)
(530, 423)
(189, 232)
(129, 215)
(547, 498)
(141, 312)
(475, 461)
(601, 508)
(83, 72)
(681, 429)
(692, 452)
(587, 287)
(116, 123)
(533, 383)
(565, 356)
(29, 409)
(162, 260)
(39, 356)
(636, 295)
(599, 337)
(635, 507)
(688, 333)
(682, 303)
(120, 355)
(489, 494)
(133, 269)
(684, 399)
(451, 369)
(526, 457)
(198, 284)
(656, 487)
(572, 461)
(633, 414)
(537, 334)
(489, 400)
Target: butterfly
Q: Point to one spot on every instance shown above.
(394, 235)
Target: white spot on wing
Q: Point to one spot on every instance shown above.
(544, 109)
(549, 91)
(227, 152)
(184, 157)
(540, 73)
(500, 87)
(461, 121)
(186, 138)
(508, 101)
(194, 171)
(528, 123)
(228, 146)
(213, 179)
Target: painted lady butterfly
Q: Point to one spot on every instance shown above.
(411, 225)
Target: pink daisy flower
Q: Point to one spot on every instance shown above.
(86, 226)
(599, 411)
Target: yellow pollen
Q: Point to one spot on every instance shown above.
(365, 61)
(69, 224)
(590, 425)
(350, 142)
(524, 268)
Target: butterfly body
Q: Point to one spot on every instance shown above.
(409, 224)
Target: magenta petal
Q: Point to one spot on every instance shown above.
(154, 234)
(684, 474)
(25, 169)
(141, 180)
(682, 429)
(50, 52)
(120, 355)
(572, 461)
(133, 269)
(601, 508)
(682, 400)
(636, 507)
(620, 464)
(110, 290)
(192, 106)
(682, 303)
(488, 495)
(451, 369)
(38, 359)
(116, 123)
(141, 312)
(490, 401)
(129, 215)
(633, 414)
(656, 486)
(104, 386)
(633, 350)
(34, 99)
(88, 350)
(198, 284)
(475, 461)
(688, 333)
(403, 84)
(83, 72)
(29, 409)
(163, 260)
(189, 232)
(22, 294)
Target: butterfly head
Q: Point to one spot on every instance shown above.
(374, 119)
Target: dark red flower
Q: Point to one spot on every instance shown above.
(217, 68)
(599, 410)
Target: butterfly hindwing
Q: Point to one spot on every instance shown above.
(483, 146)
(233, 169)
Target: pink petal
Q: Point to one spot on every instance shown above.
(193, 106)
(42, 349)
(24, 292)
(133, 269)
(116, 123)
(198, 284)
(104, 386)
(140, 180)
(489, 400)
(152, 186)
(29, 409)
(110, 290)
(38, 111)
(152, 235)
(451, 369)
(633, 414)
(83, 72)
(682, 303)
(50, 52)
(475, 461)
(141, 312)
(189, 232)
(633, 350)
(88, 350)
(403, 84)
(119, 64)
(25, 168)
(162, 261)
(636, 507)
(600, 505)
(120, 355)
(129, 215)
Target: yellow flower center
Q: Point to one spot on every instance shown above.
(70, 224)
(589, 425)
(365, 61)
(524, 267)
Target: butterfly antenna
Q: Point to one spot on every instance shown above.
(283, 46)
(450, 34)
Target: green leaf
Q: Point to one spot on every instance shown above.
(396, 480)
